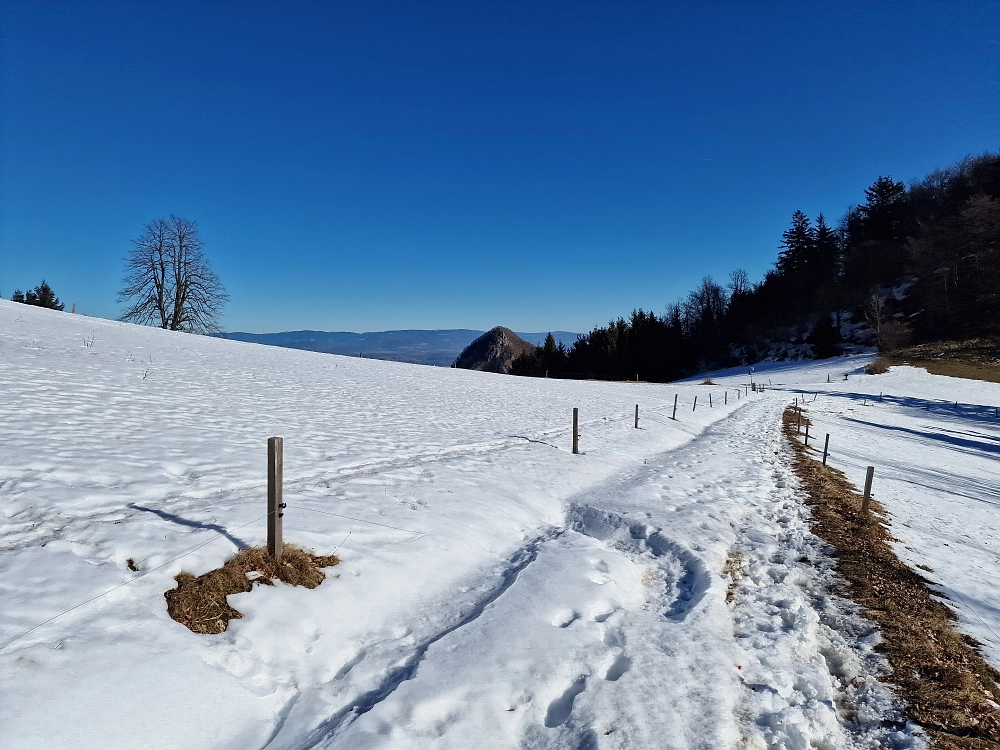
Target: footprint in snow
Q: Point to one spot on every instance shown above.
(560, 709)
(617, 665)
(565, 617)
(601, 611)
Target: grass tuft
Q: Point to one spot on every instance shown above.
(708, 381)
(878, 366)
(200, 604)
(951, 690)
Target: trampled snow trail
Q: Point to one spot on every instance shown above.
(495, 589)
(617, 633)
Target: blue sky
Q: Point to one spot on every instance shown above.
(369, 166)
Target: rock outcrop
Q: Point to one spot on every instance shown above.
(494, 351)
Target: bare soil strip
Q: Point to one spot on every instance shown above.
(949, 688)
(200, 603)
(976, 359)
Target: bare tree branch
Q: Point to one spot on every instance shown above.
(168, 281)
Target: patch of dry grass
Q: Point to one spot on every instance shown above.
(878, 366)
(200, 604)
(951, 690)
(708, 381)
(975, 359)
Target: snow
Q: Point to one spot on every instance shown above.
(495, 589)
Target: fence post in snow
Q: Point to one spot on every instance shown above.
(868, 490)
(807, 434)
(710, 399)
(674, 416)
(637, 416)
(725, 397)
(576, 430)
(826, 447)
(695, 404)
(275, 461)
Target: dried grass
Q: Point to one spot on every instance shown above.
(708, 381)
(939, 672)
(974, 359)
(200, 604)
(878, 366)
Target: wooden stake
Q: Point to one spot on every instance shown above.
(826, 447)
(275, 465)
(695, 404)
(807, 434)
(576, 430)
(709, 400)
(637, 416)
(868, 490)
(674, 415)
(725, 397)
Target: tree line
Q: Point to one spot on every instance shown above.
(912, 263)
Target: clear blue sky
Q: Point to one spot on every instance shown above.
(377, 165)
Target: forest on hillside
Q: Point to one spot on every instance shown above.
(912, 263)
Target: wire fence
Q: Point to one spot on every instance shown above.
(440, 455)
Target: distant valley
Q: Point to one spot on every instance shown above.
(439, 348)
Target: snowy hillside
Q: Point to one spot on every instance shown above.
(495, 590)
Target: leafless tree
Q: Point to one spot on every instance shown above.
(168, 281)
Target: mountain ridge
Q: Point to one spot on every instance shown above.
(437, 347)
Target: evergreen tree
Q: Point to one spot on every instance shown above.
(797, 243)
(826, 255)
(41, 296)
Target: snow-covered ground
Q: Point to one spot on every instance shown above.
(496, 590)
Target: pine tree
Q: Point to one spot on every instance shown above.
(826, 256)
(797, 242)
(41, 296)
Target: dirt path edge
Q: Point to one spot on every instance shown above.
(949, 688)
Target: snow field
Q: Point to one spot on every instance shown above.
(514, 595)
(936, 472)
(125, 442)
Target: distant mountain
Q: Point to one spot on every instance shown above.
(493, 351)
(422, 347)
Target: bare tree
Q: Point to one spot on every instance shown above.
(168, 281)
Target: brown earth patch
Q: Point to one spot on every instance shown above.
(948, 686)
(200, 604)
(975, 359)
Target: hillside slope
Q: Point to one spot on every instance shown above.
(495, 589)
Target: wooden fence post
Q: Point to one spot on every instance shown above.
(807, 434)
(695, 404)
(637, 416)
(868, 490)
(725, 397)
(826, 447)
(576, 430)
(674, 416)
(710, 399)
(275, 462)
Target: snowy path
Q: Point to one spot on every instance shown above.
(495, 589)
(613, 630)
